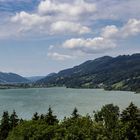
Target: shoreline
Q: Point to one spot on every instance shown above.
(31, 87)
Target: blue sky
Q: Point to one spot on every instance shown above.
(38, 37)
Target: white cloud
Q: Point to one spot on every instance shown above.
(58, 18)
(28, 19)
(66, 26)
(58, 56)
(75, 8)
(131, 28)
(74, 17)
(107, 39)
(109, 31)
(90, 45)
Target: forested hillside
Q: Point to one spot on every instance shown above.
(6, 78)
(117, 73)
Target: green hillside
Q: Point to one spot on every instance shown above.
(110, 73)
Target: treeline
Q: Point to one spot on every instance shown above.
(16, 86)
(107, 124)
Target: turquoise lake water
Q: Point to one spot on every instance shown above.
(62, 100)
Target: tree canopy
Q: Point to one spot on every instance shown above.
(107, 124)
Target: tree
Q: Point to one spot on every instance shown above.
(35, 117)
(42, 117)
(21, 120)
(75, 113)
(50, 118)
(109, 126)
(14, 120)
(109, 116)
(130, 118)
(98, 116)
(131, 113)
(5, 126)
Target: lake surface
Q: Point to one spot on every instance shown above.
(62, 100)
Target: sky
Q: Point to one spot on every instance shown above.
(38, 37)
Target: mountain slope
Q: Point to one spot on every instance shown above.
(120, 73)
(6, 78)
(34, 78)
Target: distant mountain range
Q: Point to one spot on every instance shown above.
(110, 73)
(11, 78)
(117, 73)
(35, 78)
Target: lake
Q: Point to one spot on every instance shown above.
(62, 100)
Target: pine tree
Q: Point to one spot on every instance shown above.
(75, 113)
(131, 113)
(14, 120)
(5, 126)
(35, 117)
(42, 117)
(50, 118)
(131, 119)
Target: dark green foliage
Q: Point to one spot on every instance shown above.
(42, 117)
(14, 120)
(21, 120)
(130, 118)
(33, 130)
(75, 113)
(107, 124)
(130, 113)
(119, 73)
(5, 126)
(15, 85)
(35, 117)
(80, 128)
(109, 117)
(50, 118)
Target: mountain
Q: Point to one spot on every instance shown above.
(117, 73)
(51, 74)
(35, 78)
(10, 78)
